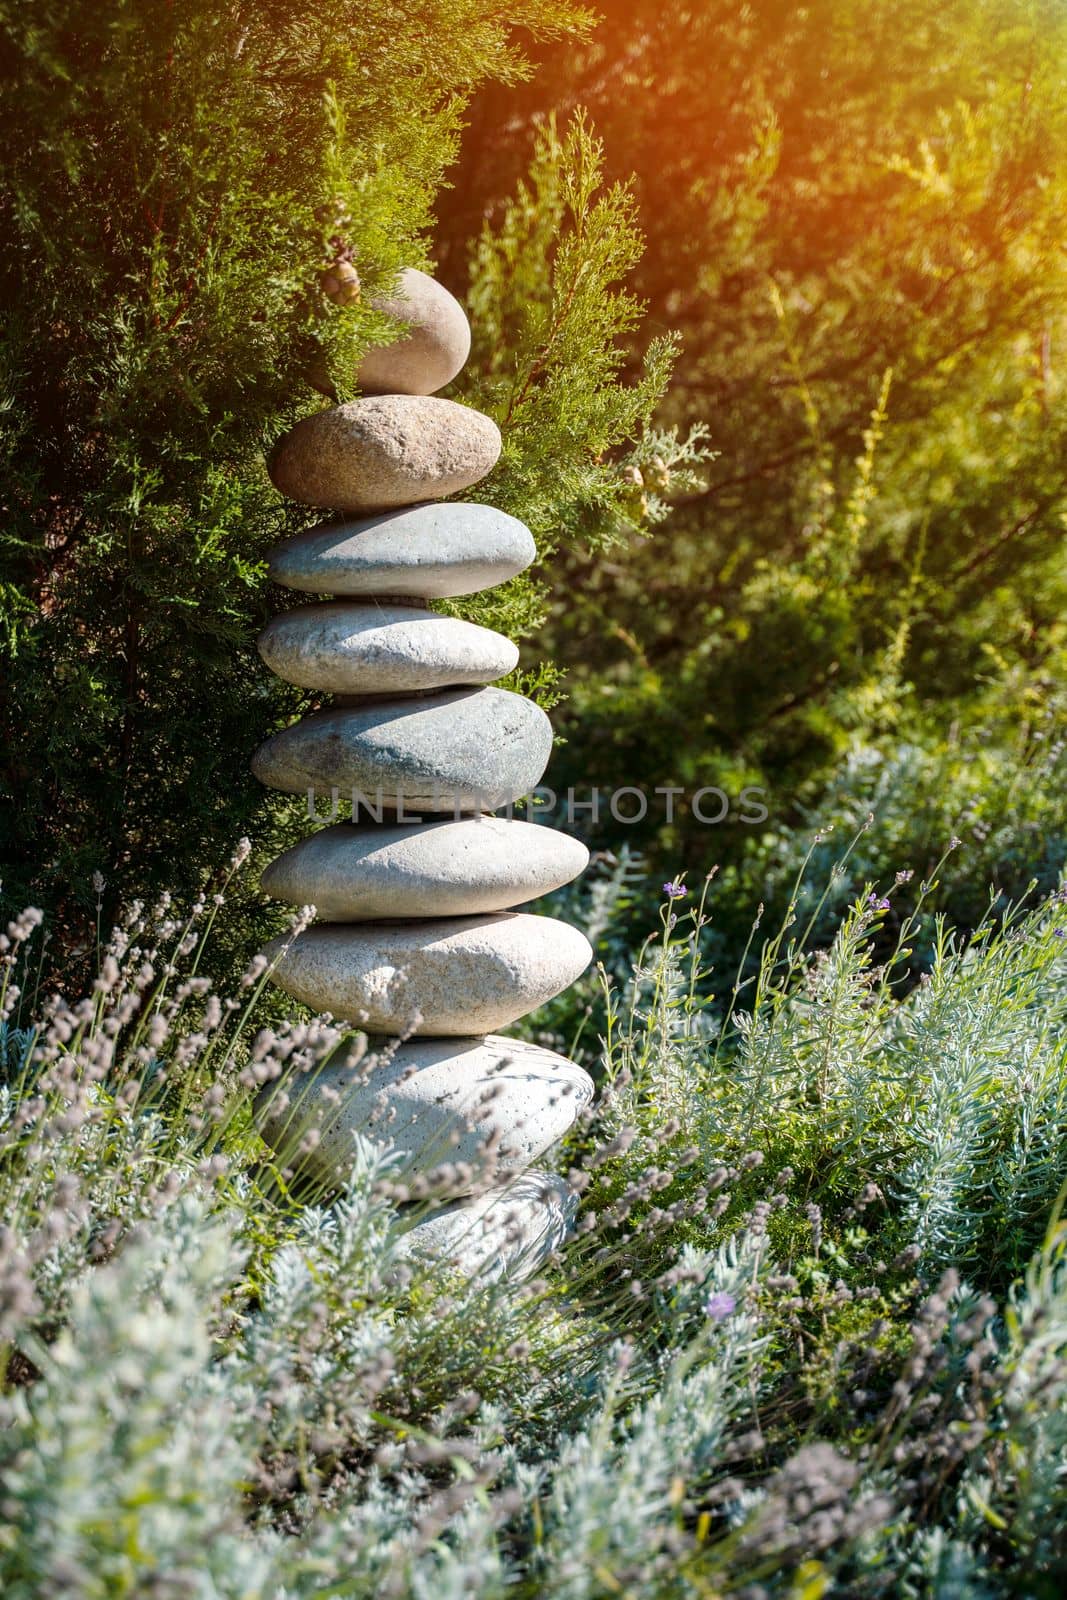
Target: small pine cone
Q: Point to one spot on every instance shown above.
(340, 283)
(634, 495)
(658, 475)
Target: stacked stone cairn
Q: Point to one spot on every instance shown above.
(416, 941)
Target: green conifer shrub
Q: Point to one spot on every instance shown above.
(175, 181)
(854, 222)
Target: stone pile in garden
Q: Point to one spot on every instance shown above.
(416, 940)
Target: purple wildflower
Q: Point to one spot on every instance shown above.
(876, 903)
(719, 1306)
(675, 889)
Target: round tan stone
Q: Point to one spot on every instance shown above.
(429, 552)
(381, 648)
(505, 1233)
(389, 450)
(436, 869)
(431, 352)
(426, 357)
(453, 976)
(461, 1112)
(462, 750)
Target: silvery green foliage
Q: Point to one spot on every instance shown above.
(614, 1489)
(123, 1464)
(949, 1096)
(811, 1329)
(983, 1049)
(1031, 1406)
(316, 1341)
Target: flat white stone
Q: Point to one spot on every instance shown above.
(506, 1233)
(462, 1112)
(449, 976)
(357, 873)
(461, 750)
(374, 647)
(387, 450)
(430, 552)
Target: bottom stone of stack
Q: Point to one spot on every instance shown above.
(461, 1113)
(506, 1232)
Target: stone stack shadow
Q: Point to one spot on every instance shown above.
(416, 940)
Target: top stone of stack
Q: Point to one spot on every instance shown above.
(433, 350)
(426, 357)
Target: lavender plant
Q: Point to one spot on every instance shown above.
(809, 1336)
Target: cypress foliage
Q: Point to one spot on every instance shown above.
(176, 179)
(839, 200)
